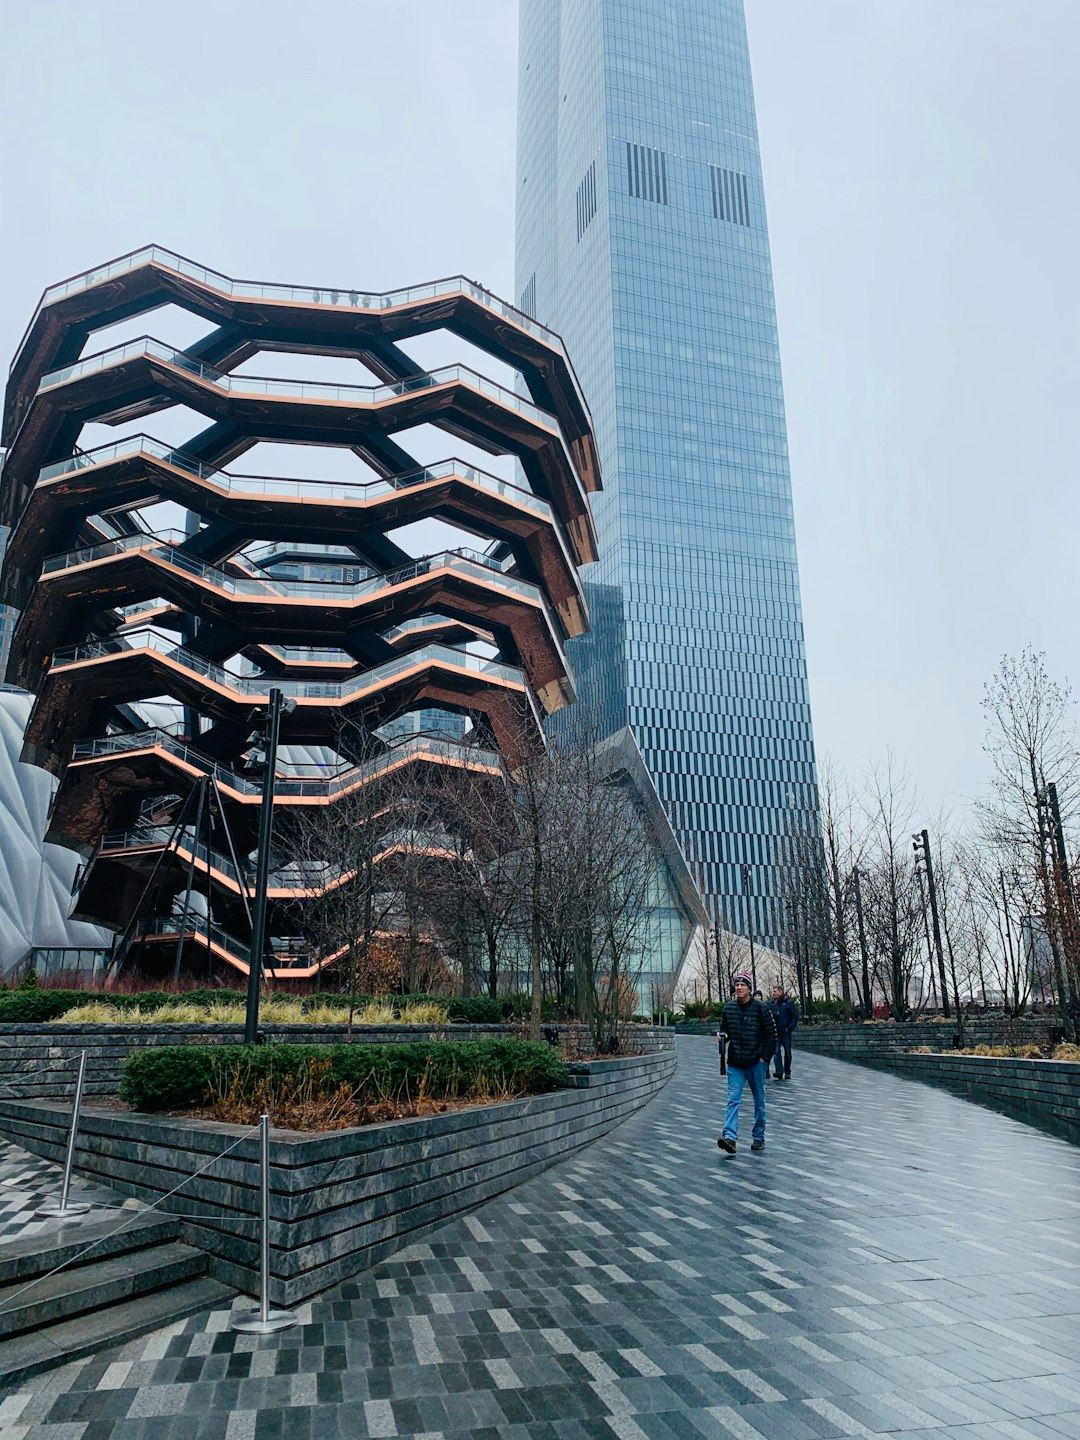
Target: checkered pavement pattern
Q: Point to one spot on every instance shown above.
(897, 1262)
(27, 1182)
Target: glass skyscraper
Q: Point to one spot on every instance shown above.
(641, 238)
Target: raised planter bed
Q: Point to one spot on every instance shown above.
(339, 1202)
(37, 1061)
(858, 1039)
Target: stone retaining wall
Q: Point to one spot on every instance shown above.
(343, 1201)
(38, 1061)
(852, 1041)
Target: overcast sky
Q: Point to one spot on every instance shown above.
(920, 167)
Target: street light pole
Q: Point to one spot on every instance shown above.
(921, 841)
(749, 920)
(868, 999)
(262, 870)
(1067, 903)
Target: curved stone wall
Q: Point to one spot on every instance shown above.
(339, 1202)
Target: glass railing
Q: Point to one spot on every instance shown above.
(360, 490)
(308, 655)
(300, 294)
(298, 389)
(320, 787)
(330, 690)
(165, 547)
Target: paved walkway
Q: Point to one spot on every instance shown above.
(898, 1262)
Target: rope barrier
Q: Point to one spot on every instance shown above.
(135, 1215)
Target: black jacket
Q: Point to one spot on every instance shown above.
(751, 1032)
(785, 1015)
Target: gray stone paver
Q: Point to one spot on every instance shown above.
(898, 1262)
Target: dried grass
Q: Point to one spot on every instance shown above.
(425, 1013)
(1066, 1051)
(96, 1013)
(304, 1102)
(273, 1010)
(375, 1014)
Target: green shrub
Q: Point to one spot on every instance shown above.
(475, 1010)
(833, 1009)
(175, 1077)
(37, 1007)
(694, 1010)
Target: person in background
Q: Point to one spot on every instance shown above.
(785, 1015)
(751, 1042)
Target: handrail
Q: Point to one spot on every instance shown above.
(325, 786)
(225, 480)
(165, 547)
(299, 389)
(249, 290)
(303, 876)
(260, 685)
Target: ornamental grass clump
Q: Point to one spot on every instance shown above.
(325, 1087)
(375, 1013)
(424, 1013)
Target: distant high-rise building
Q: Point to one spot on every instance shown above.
(641, 238)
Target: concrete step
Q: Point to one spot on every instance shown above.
(23, 1260)
(90, 1288)
(43, 1349)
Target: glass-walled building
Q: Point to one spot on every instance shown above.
(641, 238)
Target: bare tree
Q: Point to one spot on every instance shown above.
(342, 858)
(1031, 743)
(843, 854)
(477, 895)
(895, 913)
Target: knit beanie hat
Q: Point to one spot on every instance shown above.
(742, 978)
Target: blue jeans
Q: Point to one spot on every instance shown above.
(736, 1081)
(782, 1059)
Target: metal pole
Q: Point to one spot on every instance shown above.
(1068, 931)
(868, 999)
(263, 1320)
(264, 1212)
(64, 1209)
(182, 928)
(749, 920)
(262, 872)
(932, 887)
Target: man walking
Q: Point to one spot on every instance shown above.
(785, 1015)
(751, 1037)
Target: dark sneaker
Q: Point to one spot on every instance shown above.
(778, 1077)
(787, 1076)
(726, 1144)
(757, 1145)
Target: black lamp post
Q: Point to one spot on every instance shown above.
(920, 843)
(268, 740)
(749, 920)
(868, 999)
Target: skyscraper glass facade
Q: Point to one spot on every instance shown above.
(641, 238)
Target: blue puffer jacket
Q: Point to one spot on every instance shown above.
(785, 1015)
